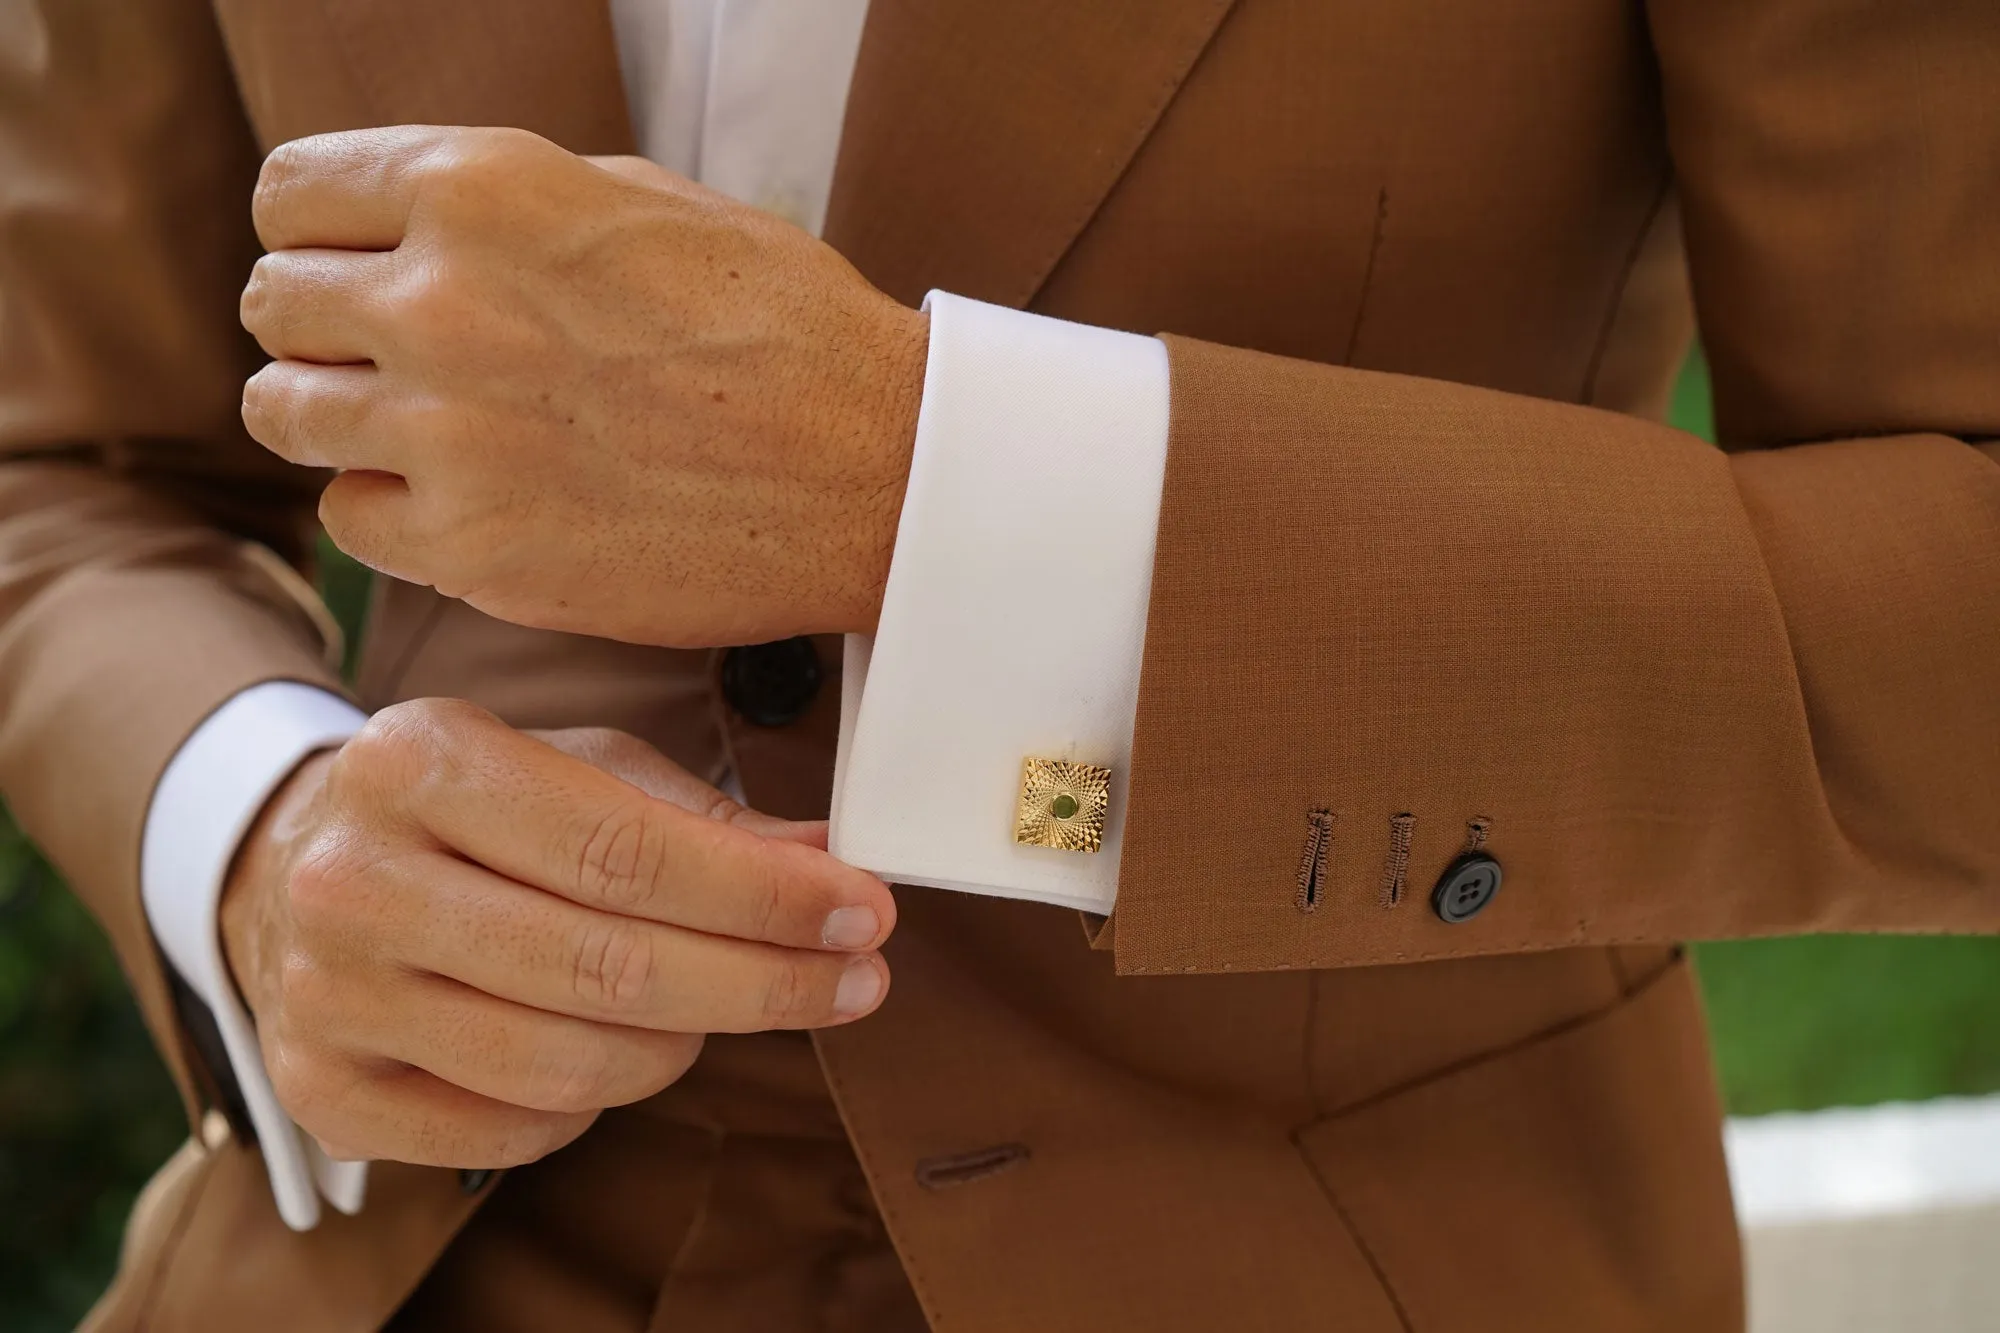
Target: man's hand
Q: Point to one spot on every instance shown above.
(580, 394)
(461, 942)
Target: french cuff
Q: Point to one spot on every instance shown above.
(205, 801)
(989, 718)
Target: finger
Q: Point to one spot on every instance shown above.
(317, 416)
(363, 1110)
(372, 517)
(516, 943)
(625, 756)
(317, 305)
(515, 1054)
(537, 815)
(352, 190)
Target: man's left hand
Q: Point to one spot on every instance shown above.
(580, 394)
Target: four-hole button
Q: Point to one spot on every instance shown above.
(1465, 888)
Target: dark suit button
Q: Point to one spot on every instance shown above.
(1467, 886)
(771, 684)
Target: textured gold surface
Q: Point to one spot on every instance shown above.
(1042, 782)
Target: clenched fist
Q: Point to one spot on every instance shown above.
(581, 394)
(461, 942)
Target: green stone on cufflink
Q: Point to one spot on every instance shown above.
(1062, 805)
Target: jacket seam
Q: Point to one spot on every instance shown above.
(1354, 1234)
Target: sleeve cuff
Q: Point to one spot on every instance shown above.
(207, 798)
(1014, 619)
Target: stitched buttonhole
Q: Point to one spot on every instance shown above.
(939, 1173)
(1396, 872)
(1476, 830)
(1312, 861)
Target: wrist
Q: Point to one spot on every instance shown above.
(891, 438)
(249, 915)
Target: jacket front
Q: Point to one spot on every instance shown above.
(1430, 574)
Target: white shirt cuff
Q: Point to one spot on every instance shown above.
(1014, 619)
(211, 792)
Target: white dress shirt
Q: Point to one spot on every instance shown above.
(1012, 622)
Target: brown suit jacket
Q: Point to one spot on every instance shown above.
(1426, 558)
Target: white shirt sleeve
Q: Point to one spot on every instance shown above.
(206, 800)
(1014, 618)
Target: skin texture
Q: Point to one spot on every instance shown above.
(580, 394)
(461, 942)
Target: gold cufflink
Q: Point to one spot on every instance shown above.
(1062, 805)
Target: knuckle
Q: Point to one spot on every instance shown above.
(472, 165)
(421, 720)
(383, 741)
(429, 305)
(322, 887)
(790, 995)
(255, 304)
(613, 965)
(497, 148)
(268, 407)
(281, 167)
(304, 989)
(620, 859)
(302, 1084)
(766, 908)
(435, 743)
(407, 742)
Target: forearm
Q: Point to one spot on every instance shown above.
(1676, 693)
(124, 621)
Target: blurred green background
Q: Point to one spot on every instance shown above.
(86, 1112)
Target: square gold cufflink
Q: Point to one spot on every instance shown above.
(1062, 805)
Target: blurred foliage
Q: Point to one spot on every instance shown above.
(1851, 1020)
(344, 584)
(86, 1112)
(1692, 406)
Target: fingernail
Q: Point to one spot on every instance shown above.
(860, 986)
(850, 928)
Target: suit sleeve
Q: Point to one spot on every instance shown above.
(1677, 691)
(149, 551)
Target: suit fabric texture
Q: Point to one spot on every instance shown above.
(1430, 572)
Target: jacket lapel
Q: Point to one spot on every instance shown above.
(982, 135)
(550, 66)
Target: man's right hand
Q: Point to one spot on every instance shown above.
(461, 941)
